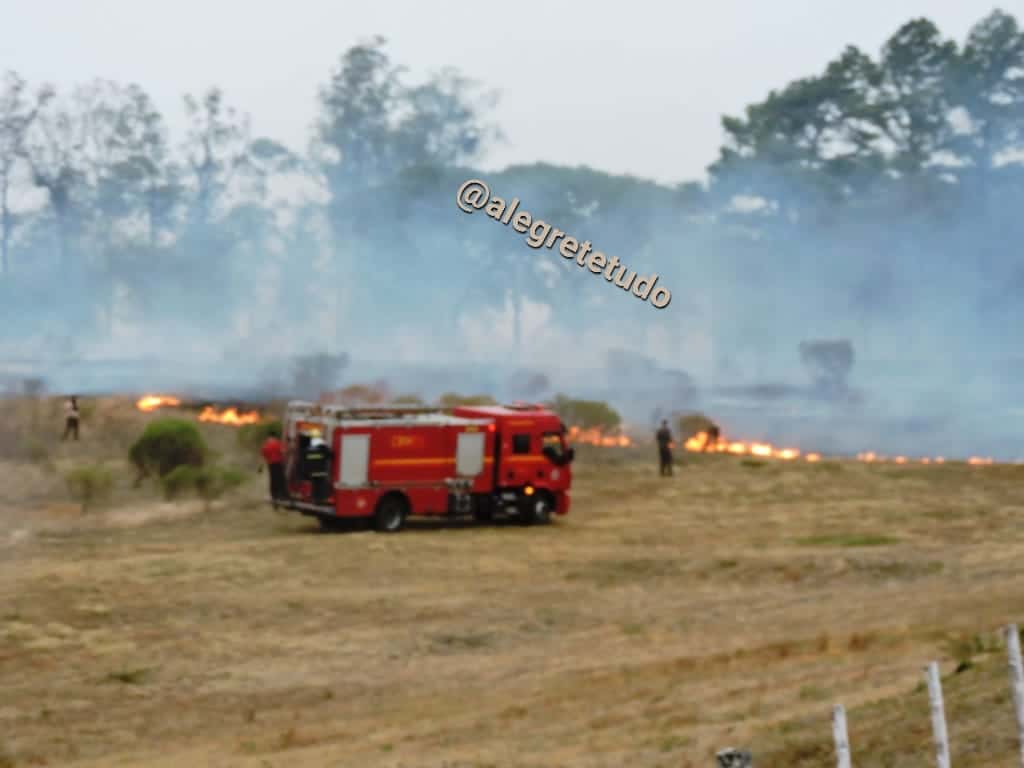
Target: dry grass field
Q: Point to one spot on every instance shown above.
(663, 619)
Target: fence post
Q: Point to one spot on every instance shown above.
(733, 758)
(1016, 681)
(840, 736)
(938, 716)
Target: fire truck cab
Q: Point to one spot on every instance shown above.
(388, 464)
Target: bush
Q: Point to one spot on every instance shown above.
(178, 480)
(90, 485)
(691, 424)
(453, 400)
(167, 444)
(208, 483)
(252, 436)
(586, 414)
(215, 482)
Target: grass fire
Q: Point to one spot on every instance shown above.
(229, 416)
(233, 416)
(149, 403)
(599, 437)
(702, 443)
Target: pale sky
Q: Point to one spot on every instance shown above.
(635, 86)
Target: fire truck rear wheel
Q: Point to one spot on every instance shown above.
(391, 513)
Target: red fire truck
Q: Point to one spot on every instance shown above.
(387, 464)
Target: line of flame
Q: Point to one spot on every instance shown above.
(150, 403)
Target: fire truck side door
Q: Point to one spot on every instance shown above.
(355, 460)
(469, 454)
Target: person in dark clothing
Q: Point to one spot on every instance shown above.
(273, 454)
(664, 438)
(318, 469)
(71, 418)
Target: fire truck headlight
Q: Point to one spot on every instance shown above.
(528, 490)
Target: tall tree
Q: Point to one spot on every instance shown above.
(17, 111)
(54, 149)
(380, 143)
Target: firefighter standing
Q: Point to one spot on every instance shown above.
(318, 468)
(273, 454)
(664, 438)
(71, 418)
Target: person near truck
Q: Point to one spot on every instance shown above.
(71, 416)
(273, 455)
(664, 438)
(318, 469)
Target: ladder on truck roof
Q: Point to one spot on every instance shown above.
(362, 412)
(388, 411)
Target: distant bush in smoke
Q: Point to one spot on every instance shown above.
(414, 400)
(313, 374)
(641, 376)
(452, 400)
(585, 414)
(358, 395)
(529, 384)
(829, 364)
(691, 424)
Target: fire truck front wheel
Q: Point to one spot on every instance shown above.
(537, 509)
(391, 513)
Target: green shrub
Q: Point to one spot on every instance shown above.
(213, 482)
(585, 414)
(166, 444)
(252, 436)
(179, 480)
(208, 483)
(90, 485)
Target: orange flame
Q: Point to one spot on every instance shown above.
(150, 403)
(596, 436)
(699, 444)
(229, 416)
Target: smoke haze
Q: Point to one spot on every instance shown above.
(864, 298)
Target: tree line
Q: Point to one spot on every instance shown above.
(873, 191)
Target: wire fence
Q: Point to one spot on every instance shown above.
(738, 758)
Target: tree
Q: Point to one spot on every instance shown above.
(381, 145)
(17, 111)
(216, 150)
(132, 184)
(218, 172)
(54, 147)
